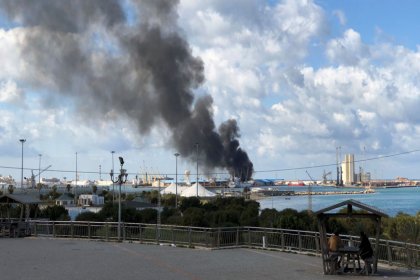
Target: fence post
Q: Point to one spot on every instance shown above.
(89, 233)
(53, 229)
(173, 235)
(189, 237)
(317, 243)
(207, 237)
(157, 234)
(300, 241)
(408, 256)
(282, 240)
(106, 232)
(140, 234)
(249, 237)
(218, 237)
(389, 252)
(124, 231)
(72, 229)
(35, 230)
(237, 236)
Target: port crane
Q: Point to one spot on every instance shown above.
(32, 179)
(324, 176)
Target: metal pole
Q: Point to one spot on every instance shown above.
(176, 179)
(196, 145)
(21, 177)
(122, 178)
(112, 153)
(119, 206)
(75, 186)
(158, 217)
(39, 169)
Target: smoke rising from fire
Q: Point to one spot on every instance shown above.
(126, 57)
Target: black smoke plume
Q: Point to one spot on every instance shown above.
(126, 57)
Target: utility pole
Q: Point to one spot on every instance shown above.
(75, 186)
(39, 169)
(176, 179)
(196, 145)
(112, 171)
(310, 193)
(21, 177)
(339, 171)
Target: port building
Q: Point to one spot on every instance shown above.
(348, 169)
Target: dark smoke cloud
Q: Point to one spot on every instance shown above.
(112, 58)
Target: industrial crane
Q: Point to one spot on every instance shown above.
(324, 177)
(32, 179)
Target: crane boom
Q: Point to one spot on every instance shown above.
(39, 173)
(43, 170)
(314, 181)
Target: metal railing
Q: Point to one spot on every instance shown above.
(390, 252)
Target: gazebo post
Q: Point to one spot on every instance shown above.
(378, 229)
(322, 239)
(22, 210)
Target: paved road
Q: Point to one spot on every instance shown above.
(37, 258)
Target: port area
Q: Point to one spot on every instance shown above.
(73, 259)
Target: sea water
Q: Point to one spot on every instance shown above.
(388, 200)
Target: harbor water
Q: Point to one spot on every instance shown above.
(388, 200)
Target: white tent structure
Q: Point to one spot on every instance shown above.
(192, 191)
(171, 189)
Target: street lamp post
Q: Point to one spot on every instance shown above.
(122, 178)
(176, 179)
(21, 177)
(196, 145)
(159, 212)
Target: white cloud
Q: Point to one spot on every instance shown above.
(259, 70)
(348, 50)
(12, 66)
(10, 92)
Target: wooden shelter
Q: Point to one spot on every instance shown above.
(332, 212)
(17, 226)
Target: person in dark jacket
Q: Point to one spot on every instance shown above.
(365, 251)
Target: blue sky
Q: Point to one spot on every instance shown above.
(398, 20)
(300, 77)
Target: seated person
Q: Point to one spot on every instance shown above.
(365, 249)
(334, 244)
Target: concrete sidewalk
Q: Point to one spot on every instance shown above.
(38, 258)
